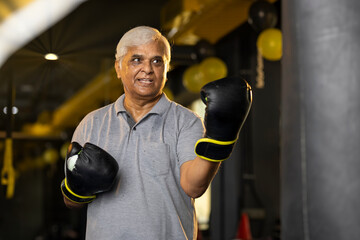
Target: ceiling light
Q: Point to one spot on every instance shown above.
(51, 56)
(15, 110)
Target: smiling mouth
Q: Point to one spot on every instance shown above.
(145, 80)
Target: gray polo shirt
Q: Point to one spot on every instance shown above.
(147, 201)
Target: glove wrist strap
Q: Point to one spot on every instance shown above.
(73, 196)
(214, 150)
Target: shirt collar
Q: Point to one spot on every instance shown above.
(159, 108)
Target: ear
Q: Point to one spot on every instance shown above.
(117, 68)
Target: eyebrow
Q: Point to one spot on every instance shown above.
(136, 56)
(140, 56)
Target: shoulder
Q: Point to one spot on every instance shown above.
(99, 113)
(91, 123)
(94, 118)
(182, 110)
(185, 116)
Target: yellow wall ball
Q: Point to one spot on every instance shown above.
(269, 44)
(213, 68)
(51, 155)
(193, 78)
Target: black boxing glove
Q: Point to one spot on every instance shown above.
(89, 170)
(228, 102)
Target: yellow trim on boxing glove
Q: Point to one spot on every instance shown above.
(85, 199)
(214, 150)
(210, 140)
(76, 195)
(212, 160)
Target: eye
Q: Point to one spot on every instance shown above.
(157, 61)
(136, 60)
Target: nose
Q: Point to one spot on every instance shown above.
(147, 67)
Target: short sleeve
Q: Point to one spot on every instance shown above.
(189, 134)
(79, 133)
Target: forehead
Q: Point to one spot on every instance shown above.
(151, 49)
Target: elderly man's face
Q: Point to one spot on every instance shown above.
(143, 70)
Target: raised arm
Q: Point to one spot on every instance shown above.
(228, 102)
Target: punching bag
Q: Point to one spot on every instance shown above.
(320, 120)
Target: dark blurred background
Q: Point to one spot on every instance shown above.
(52, 96)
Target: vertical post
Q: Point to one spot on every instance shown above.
(7, 171)
(10, 104)
(320, 126)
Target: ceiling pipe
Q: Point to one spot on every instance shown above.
(103, 89)
(188, 21)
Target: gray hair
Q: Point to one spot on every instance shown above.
(139, 36)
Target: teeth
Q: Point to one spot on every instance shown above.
(145, 80)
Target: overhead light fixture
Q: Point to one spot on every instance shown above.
(51, 56)
(14, 109)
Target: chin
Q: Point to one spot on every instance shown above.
(150, 95)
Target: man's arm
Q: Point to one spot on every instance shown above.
(196, 176)
(228, 102)
(73, 205)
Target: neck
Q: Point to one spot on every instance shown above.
(138, 108)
